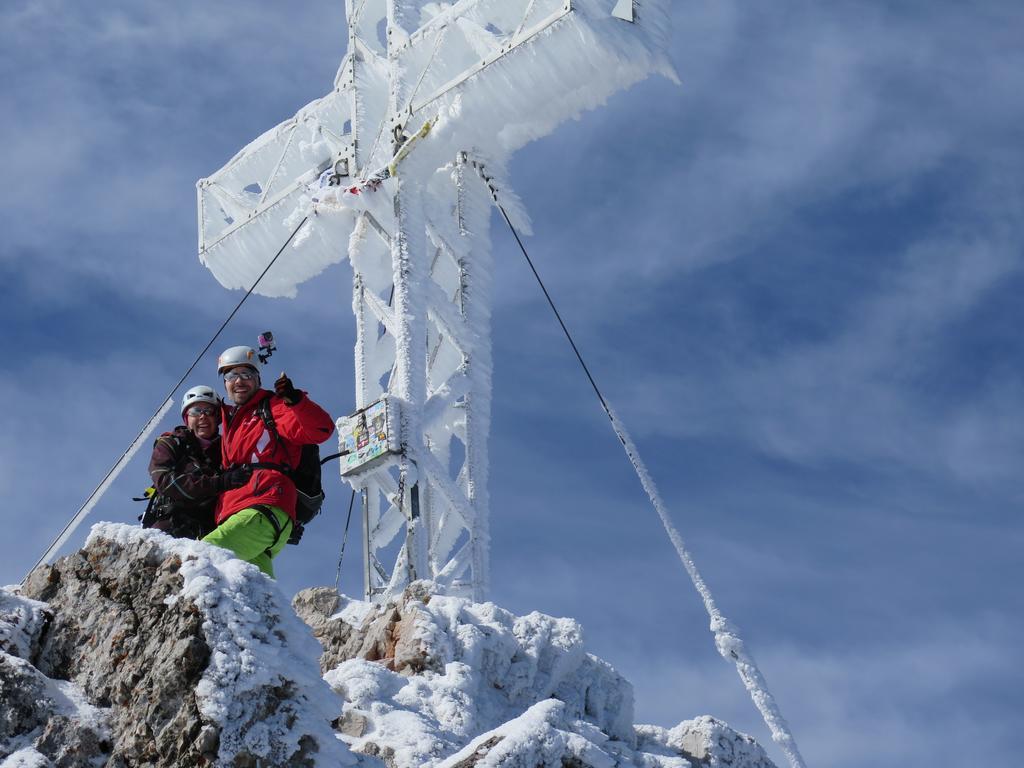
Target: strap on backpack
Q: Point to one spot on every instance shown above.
(263, 409)
(265, 413)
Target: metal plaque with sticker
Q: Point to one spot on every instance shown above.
(370, 436)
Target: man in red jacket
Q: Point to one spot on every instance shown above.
(255, 520)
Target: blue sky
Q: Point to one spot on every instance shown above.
(796, 276)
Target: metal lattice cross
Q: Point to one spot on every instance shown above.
(484, 77)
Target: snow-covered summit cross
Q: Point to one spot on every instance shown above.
(485, 77)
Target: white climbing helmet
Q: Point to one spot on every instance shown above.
(200, 394)
(233, 356)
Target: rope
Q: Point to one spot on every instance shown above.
(154, 420)
(344, 541)
(727, 639)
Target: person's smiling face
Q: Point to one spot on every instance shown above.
(202, 420)
(241, 383)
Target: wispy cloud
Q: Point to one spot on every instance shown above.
(796, 276)
(883, 704)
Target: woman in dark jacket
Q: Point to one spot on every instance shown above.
(186, 470)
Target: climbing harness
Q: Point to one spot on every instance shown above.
(727, 639)
(153, 422)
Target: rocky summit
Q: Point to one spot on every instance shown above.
(142, 650)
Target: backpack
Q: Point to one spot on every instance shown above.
(305, 476)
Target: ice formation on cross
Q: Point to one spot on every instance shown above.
(446, 89)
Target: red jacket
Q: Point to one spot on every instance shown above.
(246, 440)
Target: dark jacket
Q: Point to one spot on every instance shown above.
(247, 441)
(187, 480)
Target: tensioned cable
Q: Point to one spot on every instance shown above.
(727, 639)
(154, 420)
(344, 541)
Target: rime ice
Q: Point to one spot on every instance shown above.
(385, 170)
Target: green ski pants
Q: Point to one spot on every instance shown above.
(249, 534)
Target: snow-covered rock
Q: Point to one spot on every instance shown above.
(47, 722)
(708, 741)
(183, 654)
(44, 722)
(146, 650)
(22, 621)
(431, 680)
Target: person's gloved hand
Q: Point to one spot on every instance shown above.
(284, 389)
(236, 477)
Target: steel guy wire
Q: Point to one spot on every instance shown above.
(727, 639)
(344, 541)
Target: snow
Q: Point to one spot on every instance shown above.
(26, 757)
(256, 643)
(496, 689)
(486, 667)
(474, 682)
(20, 620)
(354, 612)
(727, 748)
(537, 739)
